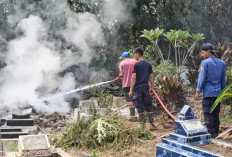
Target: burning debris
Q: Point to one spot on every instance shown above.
(54, 123)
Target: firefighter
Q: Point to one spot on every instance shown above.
(211, 82)
(140, 89)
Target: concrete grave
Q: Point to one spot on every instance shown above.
(84, 115)
(34, 145)
(119, 101)
(189, 132)
(101, 111)
(20, 122)
(9, 144)
(86, 104)
(13, 133)
(22, 114)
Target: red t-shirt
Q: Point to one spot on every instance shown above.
(126, 68)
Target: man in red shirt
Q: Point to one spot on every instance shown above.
(126, 68)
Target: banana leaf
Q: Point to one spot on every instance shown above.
(223, 95)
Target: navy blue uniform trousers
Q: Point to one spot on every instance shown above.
(211, 119)
(142, 99)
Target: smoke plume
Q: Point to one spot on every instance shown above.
(43, 49)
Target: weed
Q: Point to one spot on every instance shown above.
(100, 132)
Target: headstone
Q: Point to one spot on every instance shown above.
(189, 131)
(101, 111)
(34, 145)
(22, 114)
(86, 104)
(76, 114)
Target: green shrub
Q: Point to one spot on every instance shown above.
(170, 89)
(167, 68)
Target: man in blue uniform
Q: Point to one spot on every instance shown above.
(211, 82)
(139, 88)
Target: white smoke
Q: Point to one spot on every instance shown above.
(117, 10)
(34, 61)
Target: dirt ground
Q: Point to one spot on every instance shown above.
(215, 148)
(227, 137)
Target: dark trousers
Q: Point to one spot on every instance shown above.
(211, 119)
(126, 91)
(142, 99)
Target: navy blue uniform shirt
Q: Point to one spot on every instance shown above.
(142, 69)
(212, 77)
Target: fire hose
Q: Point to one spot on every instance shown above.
(162, 104)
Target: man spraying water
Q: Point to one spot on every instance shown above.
(126, 68)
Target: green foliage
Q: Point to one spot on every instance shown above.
(150, 55)
(172, 36)
(170, 89)
(226, 119)
(167, 68)
(105, 99)
(198, 37)
(193, 65)
(13, 146)
(224, 95)
(97, 133)
(229, 75)
(152, 34)
(183, 43)
(93, 153)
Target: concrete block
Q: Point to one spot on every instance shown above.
(12, 154)
(86, 104)
(84, 115)
(32, 145)
(16, 134)
(76, 114)
(62, 153)
(20, 122)
(9, 144)
(101, 111)
(8, 129)
(119, 101)
(22, 114)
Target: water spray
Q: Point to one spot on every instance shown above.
(76, 90)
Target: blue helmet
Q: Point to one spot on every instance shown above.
(125, 54)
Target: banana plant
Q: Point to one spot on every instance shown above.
(223, 96)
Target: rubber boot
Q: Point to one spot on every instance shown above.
(214, 135)
(151, 121)
(132, 117)
(142, 120)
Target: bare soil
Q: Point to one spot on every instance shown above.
(215, 148)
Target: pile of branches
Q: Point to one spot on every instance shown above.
(99, 132)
